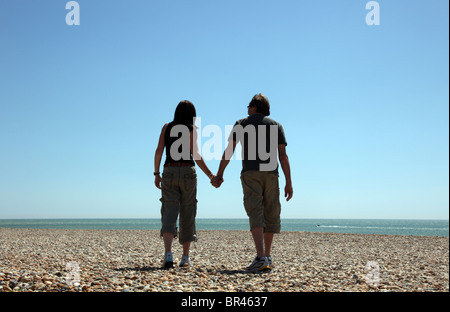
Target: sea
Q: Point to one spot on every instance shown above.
(359, 226)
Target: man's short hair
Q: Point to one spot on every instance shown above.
(261, 102)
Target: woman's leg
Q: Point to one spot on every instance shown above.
(168, 239)
(188, 208)
(169, 212)
(186, 248)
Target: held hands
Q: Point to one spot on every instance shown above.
(216, 181)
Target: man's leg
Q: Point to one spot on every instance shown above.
(268, 238)
(258, 238)
(263, 242)
(261, 263)
(254, 207)
(272, 210)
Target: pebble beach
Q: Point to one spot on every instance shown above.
(39, 260)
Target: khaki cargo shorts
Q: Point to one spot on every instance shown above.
(262, 200)
(179, 192)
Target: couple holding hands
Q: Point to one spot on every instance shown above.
(178, 182)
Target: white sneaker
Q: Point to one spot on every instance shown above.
(168, 261)
(185, 262)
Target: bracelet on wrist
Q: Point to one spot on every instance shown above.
(156, 173)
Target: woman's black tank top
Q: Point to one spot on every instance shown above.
(168, 140)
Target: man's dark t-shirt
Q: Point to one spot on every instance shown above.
(261, 137)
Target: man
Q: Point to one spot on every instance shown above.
(257, 133)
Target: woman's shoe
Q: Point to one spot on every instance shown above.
(185, 263)
(168, 261)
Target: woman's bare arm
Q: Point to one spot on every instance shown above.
(158, 156)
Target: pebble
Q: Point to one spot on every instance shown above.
(130, 261)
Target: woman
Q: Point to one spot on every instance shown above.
(179, 180)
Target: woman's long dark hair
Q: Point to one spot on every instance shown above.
(184, 114)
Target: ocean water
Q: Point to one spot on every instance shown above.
(360, 226)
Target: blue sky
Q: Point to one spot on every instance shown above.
(364, 108)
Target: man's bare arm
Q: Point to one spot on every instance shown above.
(284, 161)
(227, 154)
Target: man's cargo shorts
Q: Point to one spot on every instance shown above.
(262, 200)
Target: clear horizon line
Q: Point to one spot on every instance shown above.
(242, 218)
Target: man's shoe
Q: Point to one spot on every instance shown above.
(259, 265)
(269, 259)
